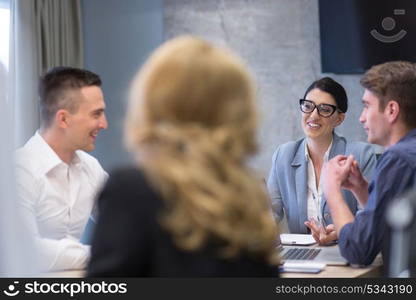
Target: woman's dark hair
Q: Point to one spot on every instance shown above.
(330, 86)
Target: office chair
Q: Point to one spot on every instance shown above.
(401, 218)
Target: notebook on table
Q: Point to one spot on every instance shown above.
(297, 239)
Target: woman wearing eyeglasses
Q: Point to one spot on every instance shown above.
(294, 182)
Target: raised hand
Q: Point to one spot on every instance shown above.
(355, 178)
(335, 172)
(356, 183)
(322, 235)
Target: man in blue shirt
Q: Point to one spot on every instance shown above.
(389, 118)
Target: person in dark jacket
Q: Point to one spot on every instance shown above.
(190, 206)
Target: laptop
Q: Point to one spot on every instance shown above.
(328, 255)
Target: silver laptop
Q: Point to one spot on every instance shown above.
(329, 255)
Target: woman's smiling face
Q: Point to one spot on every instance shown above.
(315, 126)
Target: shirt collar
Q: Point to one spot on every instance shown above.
(408, 135)
(326, 155)
(48, 159)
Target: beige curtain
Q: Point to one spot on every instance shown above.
(44, 34)
(59, 32)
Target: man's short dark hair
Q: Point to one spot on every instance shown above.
(394, 81)
(54, 86)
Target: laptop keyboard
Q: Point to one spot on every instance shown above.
(301, 254)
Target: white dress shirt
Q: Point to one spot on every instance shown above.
(56, 200)
(314, 192)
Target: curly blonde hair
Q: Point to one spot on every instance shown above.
(191, 124)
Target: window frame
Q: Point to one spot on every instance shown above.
(5, 4)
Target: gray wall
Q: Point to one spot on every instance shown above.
(118, 36)
(279, 40)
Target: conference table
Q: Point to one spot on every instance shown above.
(373, 270)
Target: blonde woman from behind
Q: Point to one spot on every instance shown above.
(190, 206)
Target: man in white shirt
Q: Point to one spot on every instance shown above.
(56, 180)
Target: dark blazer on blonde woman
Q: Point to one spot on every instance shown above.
(288, 180)
(129, 240)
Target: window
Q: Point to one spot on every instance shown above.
(4, 32)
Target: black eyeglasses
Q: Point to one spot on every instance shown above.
(324, 110)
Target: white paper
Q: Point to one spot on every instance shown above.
(297, 239)
(303, 267)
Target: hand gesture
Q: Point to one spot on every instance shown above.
(356, 183)
(355, 178)
(322, 235)
(335, 172)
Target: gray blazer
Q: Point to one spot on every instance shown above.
(287, 183)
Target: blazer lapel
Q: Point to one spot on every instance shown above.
(301, 172)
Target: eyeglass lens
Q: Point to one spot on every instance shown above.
(324, 110)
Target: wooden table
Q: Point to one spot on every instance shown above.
(64, 274)
(373, 270)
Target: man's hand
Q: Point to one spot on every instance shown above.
(357, 184)
(335, 172)
(322, 235)
(355, 178)
(334, 176)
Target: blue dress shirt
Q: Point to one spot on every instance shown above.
(395, 173)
